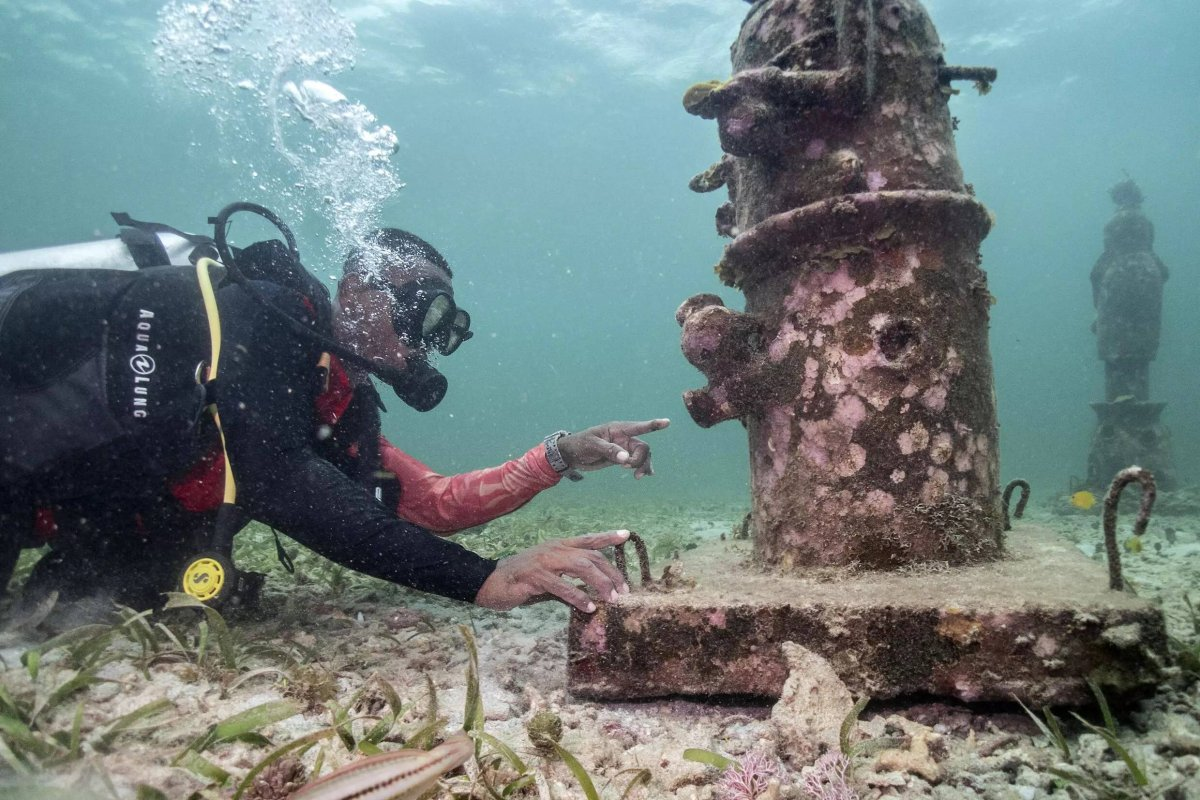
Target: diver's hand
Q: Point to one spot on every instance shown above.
(615, 443)
(539, 571)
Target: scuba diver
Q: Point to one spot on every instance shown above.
(168, 388)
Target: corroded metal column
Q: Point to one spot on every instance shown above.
(1127, 288)
(861, 365)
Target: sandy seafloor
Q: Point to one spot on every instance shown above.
(333, 634)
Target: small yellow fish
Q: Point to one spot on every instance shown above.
(1083, 500)
(399, 775)
(1134, 544)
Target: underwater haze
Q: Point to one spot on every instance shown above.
(542, 146)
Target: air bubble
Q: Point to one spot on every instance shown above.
(266, 68)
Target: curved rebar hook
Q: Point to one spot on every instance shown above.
(643, 558)
(1020, 510)
(1149, 493)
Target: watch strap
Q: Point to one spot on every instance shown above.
(555, 458)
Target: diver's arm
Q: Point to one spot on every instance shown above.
(310, 500)
(450, 503)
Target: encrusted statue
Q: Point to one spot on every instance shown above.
(1127, 288)
(860, 366)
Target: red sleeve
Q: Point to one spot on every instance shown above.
(447, 504)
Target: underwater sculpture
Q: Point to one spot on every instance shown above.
(860, 366)
(1127, 287)
(861, 370)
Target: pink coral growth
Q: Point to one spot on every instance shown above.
(748, 779)
(826, 779)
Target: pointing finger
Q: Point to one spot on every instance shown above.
(638, 428)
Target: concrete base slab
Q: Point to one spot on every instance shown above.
(1033, 625)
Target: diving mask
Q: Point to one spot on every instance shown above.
(424, 311)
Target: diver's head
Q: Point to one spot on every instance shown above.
(395, 305)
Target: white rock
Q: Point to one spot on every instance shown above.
(811, 707)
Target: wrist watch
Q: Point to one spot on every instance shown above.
(554, 457)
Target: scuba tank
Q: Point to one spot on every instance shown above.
(138, 245)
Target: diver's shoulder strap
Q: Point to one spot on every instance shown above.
(226, 518)
(145, 243)
(125, 221)
(145, 248)
(229, 519)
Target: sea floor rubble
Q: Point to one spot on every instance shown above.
(329, 643)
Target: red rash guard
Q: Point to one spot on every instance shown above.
(447, 504)
(439, 503)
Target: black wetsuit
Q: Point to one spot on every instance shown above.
(100, 409)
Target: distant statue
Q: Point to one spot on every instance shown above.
(1127, 290)
(1127, 286)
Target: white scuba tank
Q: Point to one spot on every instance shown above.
(104, 254)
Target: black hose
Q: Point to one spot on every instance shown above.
(388, 374)
(220, 225)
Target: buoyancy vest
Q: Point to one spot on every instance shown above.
(105, 339)
(152, 322)
(95, 361)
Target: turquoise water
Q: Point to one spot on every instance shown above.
(546, 153)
